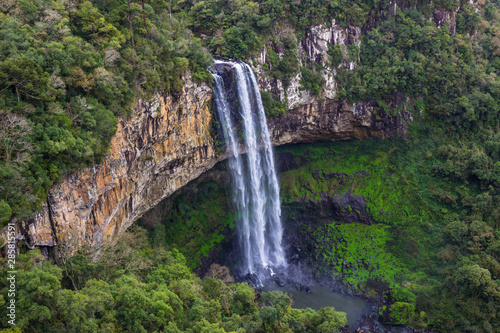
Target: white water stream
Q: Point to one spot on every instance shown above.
(255, 184)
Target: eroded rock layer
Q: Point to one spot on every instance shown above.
(163, 146)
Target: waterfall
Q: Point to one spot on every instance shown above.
(255, 184)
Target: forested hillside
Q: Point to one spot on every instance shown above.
(133, 287)
(69, 70)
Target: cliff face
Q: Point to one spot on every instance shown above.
(313, 48)
(168, 143)
(332, 120)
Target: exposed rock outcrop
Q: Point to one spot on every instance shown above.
(330, 120)
(313, 48)
(163, 146)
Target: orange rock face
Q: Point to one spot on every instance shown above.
(164, 145)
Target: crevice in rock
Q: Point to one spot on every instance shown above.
(51, 220)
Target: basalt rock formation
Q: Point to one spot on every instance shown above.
(163, 146)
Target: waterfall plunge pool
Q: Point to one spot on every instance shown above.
(321, 296)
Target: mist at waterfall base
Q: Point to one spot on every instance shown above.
(258, 257)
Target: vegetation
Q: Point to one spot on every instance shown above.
(197, 222)
(67, 72)
(430, 236)
(273, 108)
(426, 236)
(311, 81)
(133, 287)
(451, 77)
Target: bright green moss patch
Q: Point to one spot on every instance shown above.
(358, 253)
(400, 313)
(396, 190)
(365, 169)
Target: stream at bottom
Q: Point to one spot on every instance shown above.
(322, 296)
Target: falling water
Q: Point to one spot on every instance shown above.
(256, 189)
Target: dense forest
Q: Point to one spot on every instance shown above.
(134, 287)
(69, 70)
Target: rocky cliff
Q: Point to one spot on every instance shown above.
(166, 144)
(313, 48)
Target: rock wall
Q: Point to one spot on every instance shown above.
(312, 48)
(163, 146)
(332, 120)
(166, 145)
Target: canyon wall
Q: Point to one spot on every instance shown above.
(163, 146)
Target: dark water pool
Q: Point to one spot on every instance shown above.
(321, 296)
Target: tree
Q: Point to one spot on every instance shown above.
(220, 272)
(243, 300)
(280, 302)
(14, 138)
(269, 317)
(37, 288)
(476, 280)
(5, 213)
(93, 27)
(331, 320)
(27, 79)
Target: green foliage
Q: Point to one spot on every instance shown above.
(407, 53)
(68, 72)
(311, 80)
(285, 67)
(5, 213)
(331, 320)
(335, 54)
(269, 315)
(476, 280)
(402, 294)
(273, 108)
(400, 313)
(168, 299)
(357, 253)
(198, 220)
(365, 169)
(434, 202)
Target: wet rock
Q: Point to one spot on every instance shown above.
(286, 161)
(279, 281)
(252, 279)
